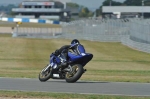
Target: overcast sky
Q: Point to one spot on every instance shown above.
(88, 3)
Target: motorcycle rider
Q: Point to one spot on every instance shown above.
(75, 46)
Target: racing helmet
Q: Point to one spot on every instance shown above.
(75, 41)
(57, 52)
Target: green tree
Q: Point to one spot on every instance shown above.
(133, 2)
(147, 2)
(113, 3)
(85, 12)
(99, 11)
(73, 5)
(90, 14)
(107, 3)
(136, 2)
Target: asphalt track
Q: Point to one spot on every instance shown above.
(80, 87)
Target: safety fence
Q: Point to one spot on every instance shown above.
(140, 31)
(97, 30)
(134, 33)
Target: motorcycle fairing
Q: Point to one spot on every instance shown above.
(82, 59)
(54, 61)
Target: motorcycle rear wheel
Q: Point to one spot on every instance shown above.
(45, 75)
(77, 71)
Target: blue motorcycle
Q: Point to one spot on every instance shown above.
(72, 71)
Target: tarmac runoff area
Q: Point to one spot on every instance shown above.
(80, 87)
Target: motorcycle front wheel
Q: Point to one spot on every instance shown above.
(45, 74)
(75, 74)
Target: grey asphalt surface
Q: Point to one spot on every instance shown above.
(80, 87)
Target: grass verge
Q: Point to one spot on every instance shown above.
(35, 95)
(22, 57)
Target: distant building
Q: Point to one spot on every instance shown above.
(127, 11)
(48, 9)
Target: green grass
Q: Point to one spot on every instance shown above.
(5, 35)
(19, 94)
(22, 57)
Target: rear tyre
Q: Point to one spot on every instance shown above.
(77, 71)
(45, 74)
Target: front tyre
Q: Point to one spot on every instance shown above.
(45, 74)
(77, 71)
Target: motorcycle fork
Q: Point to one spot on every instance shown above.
(48, 66)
